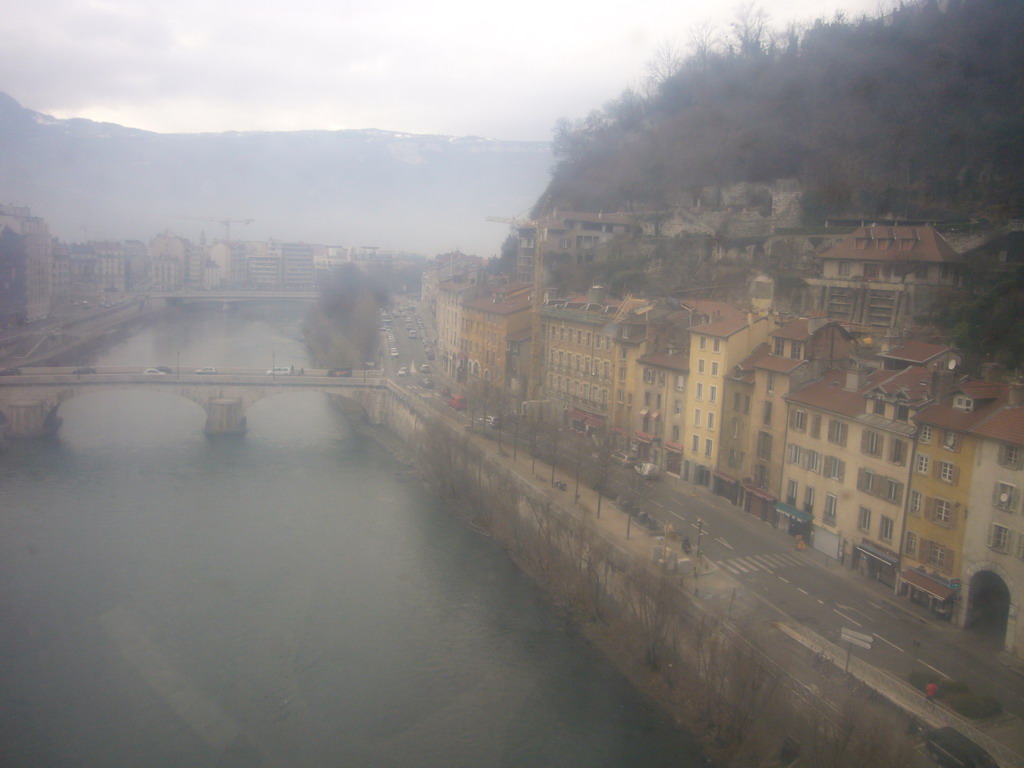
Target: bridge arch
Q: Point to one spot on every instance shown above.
(991, 603)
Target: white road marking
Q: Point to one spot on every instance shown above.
(724, 543)
(888, 643)
(782, 579)
(801, 589)
(933, 669)
(846, 617)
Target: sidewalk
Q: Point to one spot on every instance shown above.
(1002, 736)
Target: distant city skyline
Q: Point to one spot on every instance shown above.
(451, 68)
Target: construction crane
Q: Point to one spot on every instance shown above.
(225, 222)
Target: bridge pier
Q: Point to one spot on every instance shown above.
(27, 419)
(225, 416)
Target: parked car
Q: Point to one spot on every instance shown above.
(951, 749)
(81, 371)
(206, 371)
(403, 371)
(646, 470)
(11, 372)
(154, 372)
(427, 383)
(624, 458)
(425, 368)
(458, 402)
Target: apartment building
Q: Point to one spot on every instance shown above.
(568, 237)
(847, 464)
(30, 244)
(661, 421)
(716, 347)
(992, 569)
(488, 323)
(449, 321)
(941, 489)
(879, 277)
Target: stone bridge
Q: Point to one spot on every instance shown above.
(29, 402)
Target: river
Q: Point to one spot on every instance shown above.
(292, 597)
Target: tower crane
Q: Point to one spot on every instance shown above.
(226, 224)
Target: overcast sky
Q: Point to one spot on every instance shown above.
(455, 67)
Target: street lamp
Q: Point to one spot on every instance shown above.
(700, 534)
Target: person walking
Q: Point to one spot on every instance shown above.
(930, 692)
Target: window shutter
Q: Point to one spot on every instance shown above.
(842, 470)
(924, 550)
(956, 475)
(864, 440)
(950, 559)
(954, 512)
(929, 508)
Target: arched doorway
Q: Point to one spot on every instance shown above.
(988, 606)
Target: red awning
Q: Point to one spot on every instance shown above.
(578, 415)
(723, 476)
(594, 421)
(669, 445)
(644, 437)
(927, 584)
(761, 494)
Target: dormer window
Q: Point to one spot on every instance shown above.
(963, 403)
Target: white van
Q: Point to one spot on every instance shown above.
(279, 371)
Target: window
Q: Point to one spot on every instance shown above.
(648, 376)
(716, 345)
(764, 446)
(770, 382)
(809, 500)
(675, 433)
(943, 512)
(831, 504)
(795, 350)
(622, 375)
(902, 412)
(791, 488)
(703, 343)
(711, 420)
(926, 434)
(714, 368)
(893, 491)
(999, 538)
(697, 417)
(700, 365)
(951, 440)
(1005, 497)
(910, 547)
(837, 432)
(835, 468)
(816, 426)
(696, 443)
(869, 482)
(844, 268)
(915, 503)
(680, 382)
(864, 519)
(708, 447)
(647, 399)
(699, 394)
(780, 347)
(798, 420)
(712, 394)
(922, 463)
(813, 460)
(767, 417)
(898, 452)
(948, 473)
(1010, 456)
(871, 443)
(794, 453)
(885, 528)
(677, 407)
(937, 556)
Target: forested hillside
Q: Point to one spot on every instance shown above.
(919, 113)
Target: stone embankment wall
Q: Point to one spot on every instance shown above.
(721, 673)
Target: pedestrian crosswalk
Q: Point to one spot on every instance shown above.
(751, 563)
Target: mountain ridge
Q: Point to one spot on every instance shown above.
(407, 192)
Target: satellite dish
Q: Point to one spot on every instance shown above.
(951, 364)
(1004, 498)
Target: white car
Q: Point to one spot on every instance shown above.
(403, 371)
(280, 371)
(206, 370)
(154, 372)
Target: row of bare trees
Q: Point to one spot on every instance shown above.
(717, 676)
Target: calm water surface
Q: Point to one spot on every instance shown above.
(290, 598)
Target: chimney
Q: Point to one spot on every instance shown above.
(596, 294)
(942, 385)
(1016, 393)
(992, 372)
(854, 380)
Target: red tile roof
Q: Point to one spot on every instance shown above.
(1005, 424)
(679, 361)
(918, 352)
(944, 414)
(500, 306)
(886, 243)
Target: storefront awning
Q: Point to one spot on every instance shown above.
(578, 415)
(870, 551)
(793, 513)
(656, 415)
(760, 493)
(723, 476)
(926, 583)
(670, 446)
(644, 412)
(643, 437)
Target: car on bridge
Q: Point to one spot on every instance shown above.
(206, 371)
(281, 370)
(340, 372)
(154, 372)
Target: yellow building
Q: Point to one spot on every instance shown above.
(716, 347)
(487, 324)
(940, 490)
